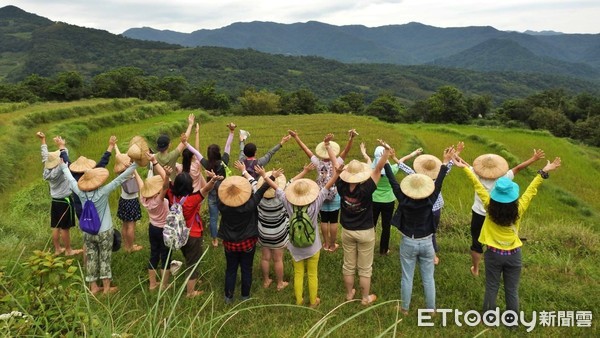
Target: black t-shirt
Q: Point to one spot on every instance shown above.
(356, 206)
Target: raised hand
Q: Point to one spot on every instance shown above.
(352, 133)
(239, 166)
(197, 127)
(191, 118)
(209, 174)
(383, 144)
(184, 138)
(449, 154)
(309, 167)
(168, 170)
(277, 172)
(216, 178)
(293, 133)
(552, 165)
(460, 146)
(150, 156)
(339, 169)
(459, 162)
(538, 154)
(60, 142)
(231, 126)
(259, 170)
(285, 139)
(328, 138)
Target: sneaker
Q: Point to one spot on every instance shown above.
(244, 134)
(175, 267)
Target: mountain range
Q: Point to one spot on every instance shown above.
(34, 45)
(477, 48)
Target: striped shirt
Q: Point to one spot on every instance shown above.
(272, 223)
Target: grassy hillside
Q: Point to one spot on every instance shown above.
(560, 255)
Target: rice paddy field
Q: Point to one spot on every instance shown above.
(560, 271)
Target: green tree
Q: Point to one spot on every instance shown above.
(386, 108)
(588, 130)
(302, 101)
(515, 109)
(262, 102)
(175, 86)
(479, 105)
(447, 105)
(339, 106)
(356, 102)
(69, 86)
(120, 82)
(37, 85)
(205, 96)
(552, 120)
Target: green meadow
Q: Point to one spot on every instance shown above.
(560, 254)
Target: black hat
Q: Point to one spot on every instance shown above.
(162, 143)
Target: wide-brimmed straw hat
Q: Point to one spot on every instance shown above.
(152, 186)
(322, 153)
(53, 160)
(427, 165)
(121, 162)
(356, 172)
(234, 191)
(505, 191)
(417, 186)
(490, 166)
(92, 179)
(302, 191)
(279, 180)
(82, 164)
(138, 147)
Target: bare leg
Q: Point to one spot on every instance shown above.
(191, 293)
(365, 285)
(265, 265)
(277, 255)
(475, 259)
(56, 241)
(333, 230)
(106, 286)
(128, 232)
(325, 235)
(94, 289)
(152, 278)
(349, 284)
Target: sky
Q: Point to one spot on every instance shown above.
(116, 16)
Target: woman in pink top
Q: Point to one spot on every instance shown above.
(152, 197)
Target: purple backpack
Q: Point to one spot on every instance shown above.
(89, 221)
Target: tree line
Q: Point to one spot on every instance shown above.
(555, 110)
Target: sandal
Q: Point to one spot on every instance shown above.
(369, 300)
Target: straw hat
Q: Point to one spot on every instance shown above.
(53, 160)
(280, 181)
(302, 192)
(490, 166)
(121, 162)
(427, 165)
(138, 147)
(92, 179)
(152, 186)
(322, 153)
(356, 172)
(417, 186)
(82, 164)
(234, 191)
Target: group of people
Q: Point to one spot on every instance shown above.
(262, 208)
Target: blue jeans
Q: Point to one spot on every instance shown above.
(213, 213)
(244, 260)
(411, 251)
(510, 268)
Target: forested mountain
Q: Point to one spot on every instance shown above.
(30, 44)
(408, 44)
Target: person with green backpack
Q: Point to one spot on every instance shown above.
(302, 199)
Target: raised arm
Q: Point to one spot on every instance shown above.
(239, 165)
(267, 157)
(439, 181)
(393, 181)
(44, 146)
(188, 132)
(194, 151)
(210, 185)
(231, 126)
(276, 173)
(416, 152)
(537, 154)
(363, 151)
(294, 135)
(351, 134)
(112, 145)
(307, 168)
(376, 172)
(337, 170)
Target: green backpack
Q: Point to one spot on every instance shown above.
(228, 171)
(302, 232)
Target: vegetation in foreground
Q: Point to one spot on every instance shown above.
(560, 271)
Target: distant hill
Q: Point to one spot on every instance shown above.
(30, 44)
(408, 44)
(508, 55)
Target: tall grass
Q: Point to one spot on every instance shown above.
(560, 270)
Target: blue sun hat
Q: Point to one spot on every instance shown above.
(505, 191)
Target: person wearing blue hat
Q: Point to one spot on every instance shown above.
(500, 232)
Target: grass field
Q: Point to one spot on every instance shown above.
(560, 255)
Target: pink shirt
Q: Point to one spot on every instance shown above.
(157, 210)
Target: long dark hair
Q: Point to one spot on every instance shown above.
(186, 160)
(504, 214)
(213, 153)
(183, 185)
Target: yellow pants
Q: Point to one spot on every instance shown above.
(312, 264)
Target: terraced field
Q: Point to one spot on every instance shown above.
(560, 255)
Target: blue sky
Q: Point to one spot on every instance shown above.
(188, 15)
